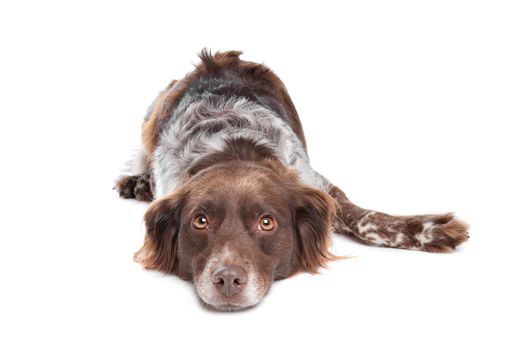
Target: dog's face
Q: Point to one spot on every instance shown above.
(235, 228)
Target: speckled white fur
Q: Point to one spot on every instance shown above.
(179, 146)
(426, 235)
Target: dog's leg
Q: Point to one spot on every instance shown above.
(432, 233)
(140, 184)
(138, 187)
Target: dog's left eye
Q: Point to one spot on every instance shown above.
(200, 222)
(266, 223)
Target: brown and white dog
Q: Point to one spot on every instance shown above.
(236, 204)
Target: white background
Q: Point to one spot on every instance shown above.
(409, 106)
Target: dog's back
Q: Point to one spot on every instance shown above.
(224, 102)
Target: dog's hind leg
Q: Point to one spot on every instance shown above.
(432, 233)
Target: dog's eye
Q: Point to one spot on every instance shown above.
(200, 222)
(266, 223)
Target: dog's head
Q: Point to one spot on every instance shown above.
(236, 227)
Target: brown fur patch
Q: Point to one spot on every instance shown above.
(159, 251)
(315, 215)
(149, 132)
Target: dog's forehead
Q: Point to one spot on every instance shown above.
(244, 189)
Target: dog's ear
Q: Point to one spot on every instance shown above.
(162, 220)
(314, 213)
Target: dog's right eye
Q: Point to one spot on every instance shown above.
(200, 222)
(267, 223)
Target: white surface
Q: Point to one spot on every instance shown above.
(410, 107)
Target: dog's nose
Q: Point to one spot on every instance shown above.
(230, 280)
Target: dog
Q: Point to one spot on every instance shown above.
(236, 204)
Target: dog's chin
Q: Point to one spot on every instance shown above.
(219, 303)
(228, 307)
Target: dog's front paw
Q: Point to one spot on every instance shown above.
(143, 191)
(440, 233)
(136, 186)
(125, 186)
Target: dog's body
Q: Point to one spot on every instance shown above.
(238, 204)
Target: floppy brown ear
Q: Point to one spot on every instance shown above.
(313, 223)
(162, 220)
